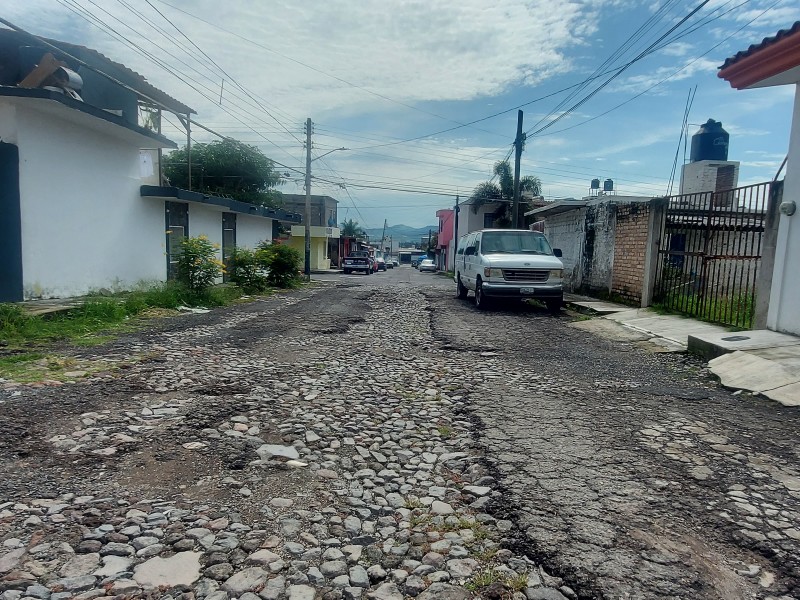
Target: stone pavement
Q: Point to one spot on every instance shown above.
(259, 452)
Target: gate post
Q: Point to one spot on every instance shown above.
(655, 231)
(768, 245)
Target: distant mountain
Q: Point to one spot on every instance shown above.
(402, 233)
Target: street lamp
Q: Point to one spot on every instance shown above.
(309, 160)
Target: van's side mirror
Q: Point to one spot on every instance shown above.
(557, 252)
(469, 251)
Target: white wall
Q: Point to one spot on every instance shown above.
(784, 309)
(250, 231)
(208, 222)
(84, 224)
(701, 176)
(469, 221)
(566, 231)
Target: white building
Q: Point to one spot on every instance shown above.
(76, 213)
(776, 61)
(709, 176)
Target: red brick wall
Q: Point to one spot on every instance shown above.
(630, 247)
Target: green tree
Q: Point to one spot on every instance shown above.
(227, 168)
(351, 229)
(503, 191)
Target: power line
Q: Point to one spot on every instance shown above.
(94, 20)
(534, 132)
(321, 71)
(223, 71)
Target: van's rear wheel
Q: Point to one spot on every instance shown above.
(461, 291)
(481, 301)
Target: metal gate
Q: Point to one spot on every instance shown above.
(709, 254)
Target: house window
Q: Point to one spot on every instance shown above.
(488, 221)
(228, 242)
(177, 220)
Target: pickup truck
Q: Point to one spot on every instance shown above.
(357, 261)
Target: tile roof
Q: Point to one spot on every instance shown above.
(767, 41)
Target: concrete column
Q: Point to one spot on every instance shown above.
(655, 227)
(769, 243)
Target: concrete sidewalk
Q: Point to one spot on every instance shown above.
(760, 361)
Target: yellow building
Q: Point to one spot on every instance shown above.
(320, 260)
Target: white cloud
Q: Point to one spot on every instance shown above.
(639, 83)
(781, 16)
(677, 49)
(409, 51)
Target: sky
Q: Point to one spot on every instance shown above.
(424, 95)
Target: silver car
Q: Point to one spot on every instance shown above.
(427, 265)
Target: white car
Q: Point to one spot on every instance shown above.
(427, 265)
(510, 264)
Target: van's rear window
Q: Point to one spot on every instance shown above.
(514, 242)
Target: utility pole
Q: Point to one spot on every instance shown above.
(307, 269)
(189, 149)
(518, 143)
(455, 231)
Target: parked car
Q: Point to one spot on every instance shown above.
(374, 264)
(380, 263)
(509, 264)
(395, 263)
(389, 263)
(357, 262)
(415, 262)
(427, 265)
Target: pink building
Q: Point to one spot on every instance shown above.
(446, 243)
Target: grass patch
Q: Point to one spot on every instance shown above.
(99, 320)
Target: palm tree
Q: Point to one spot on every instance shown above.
(503, 192)
(351, 229)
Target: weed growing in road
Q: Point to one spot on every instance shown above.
(412, 503)
(417, 520)
(484, 579)
(486, 554)
(487, 577)
(445, 431)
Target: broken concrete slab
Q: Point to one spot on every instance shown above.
(747, 371)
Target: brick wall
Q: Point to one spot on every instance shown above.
(630, 247)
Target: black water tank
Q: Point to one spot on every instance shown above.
(595, 184)
(710, 142)
(608, 185)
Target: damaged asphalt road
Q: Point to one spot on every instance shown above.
(633, 475)
(377, 438)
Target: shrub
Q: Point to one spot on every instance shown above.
(247, 270)
(281, 262)
(198, 265)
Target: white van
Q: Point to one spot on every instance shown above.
(509, 263)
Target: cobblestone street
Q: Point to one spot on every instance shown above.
(374, 437)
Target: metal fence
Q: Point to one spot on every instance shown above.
(710, 252)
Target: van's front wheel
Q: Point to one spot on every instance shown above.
(481, 301)
(554, 306)
(461, 291)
